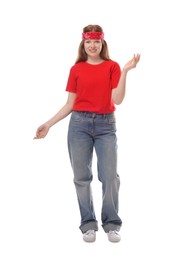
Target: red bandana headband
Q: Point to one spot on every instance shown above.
(93, 36)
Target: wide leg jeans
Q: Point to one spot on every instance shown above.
(88, 131)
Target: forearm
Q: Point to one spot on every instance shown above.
(61, 114)
(118, 93)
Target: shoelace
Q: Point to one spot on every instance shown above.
(89, 232)
(113, 232)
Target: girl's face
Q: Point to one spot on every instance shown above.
(93, 47)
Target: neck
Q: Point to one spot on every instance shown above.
(93, 60)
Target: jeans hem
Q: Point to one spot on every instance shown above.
(90, 225)
(111, 226)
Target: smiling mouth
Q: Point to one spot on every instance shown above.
(92, 50)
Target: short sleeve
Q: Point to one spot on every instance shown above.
(72, 82)
(115, 75)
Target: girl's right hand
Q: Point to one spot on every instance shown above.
(42, 131)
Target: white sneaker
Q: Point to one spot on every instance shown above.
(113, 236)
(89, 236)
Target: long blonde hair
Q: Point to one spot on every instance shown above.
(104, 54)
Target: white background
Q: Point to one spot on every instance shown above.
(39, 214)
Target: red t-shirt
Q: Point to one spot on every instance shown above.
(93, 85)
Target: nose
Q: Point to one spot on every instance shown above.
(92, 44)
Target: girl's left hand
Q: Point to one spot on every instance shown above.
(132, 63)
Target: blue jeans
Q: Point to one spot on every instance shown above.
(88, 131)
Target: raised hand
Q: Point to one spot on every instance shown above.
(132, 63)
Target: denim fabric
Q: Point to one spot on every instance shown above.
(89, 131)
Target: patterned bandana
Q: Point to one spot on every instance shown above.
(93, 36)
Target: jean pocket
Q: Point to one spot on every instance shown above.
(111, 119)
(77, 117)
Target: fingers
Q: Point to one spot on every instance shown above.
(39, 134)
(37, 137)
(41, 131)
(135, 59)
